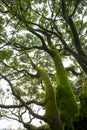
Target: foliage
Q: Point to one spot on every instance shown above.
(37, 38)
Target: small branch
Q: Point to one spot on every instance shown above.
(73, 71)
(75, 8)
(9, 117)
(38, 35)
(76, 37)
(69, 20)
(27, 48)
(20, 106)
(10, 84)
(21, 101)
(22, 70)
(30, 110)
(64, 12)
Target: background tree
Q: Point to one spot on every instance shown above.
(42, 34)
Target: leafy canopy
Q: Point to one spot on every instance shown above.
(29, 31)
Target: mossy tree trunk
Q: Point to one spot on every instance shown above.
(51, 115)
(59, 104)
(64, 95)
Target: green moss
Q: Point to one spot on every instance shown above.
(29, 126)
(64, 96)
(51, 112)
(80, 123)
(83, 104)
(84, 85)
(50, 95)
(66, 103)
(32, 127)
(51, 115)
(44, 127)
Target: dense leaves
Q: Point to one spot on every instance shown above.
(43, 47)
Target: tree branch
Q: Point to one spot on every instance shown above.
(73, 71)
(21, 100)
(75, 8)
(10, 84)
(22, 70)
(73, 29)
(20, 106)
(76, 37)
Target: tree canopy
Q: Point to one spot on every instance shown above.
(37, 38)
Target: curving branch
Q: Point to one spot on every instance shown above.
(69, 20)
(10, 84)
(30, 110)
(20, 106)
(21, 100)
(21, 70)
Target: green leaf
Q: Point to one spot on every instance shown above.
(5, 54)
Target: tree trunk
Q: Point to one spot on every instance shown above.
(51, 115)
(64, 95)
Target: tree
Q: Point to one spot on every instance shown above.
(32, 62)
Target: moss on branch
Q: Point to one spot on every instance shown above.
(51, 115)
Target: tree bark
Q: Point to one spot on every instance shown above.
(64, 95)
(52, 114)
